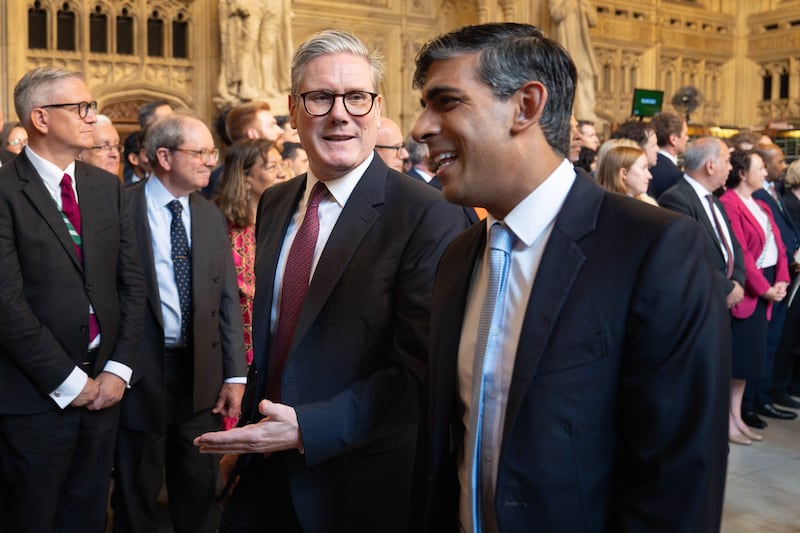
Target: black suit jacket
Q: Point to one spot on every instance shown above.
(789, 234)
(6, 156)
(665, 175)
(217, 332)
(681, 198)
(617, 411)
(358, 355)
(45, 291)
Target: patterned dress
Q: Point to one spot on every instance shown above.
(243, 245)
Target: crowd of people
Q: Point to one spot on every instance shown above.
(484, 324)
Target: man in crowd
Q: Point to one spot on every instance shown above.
(568, 390)
(707, 167)
(589, 138)
(251, 120)
(136, 167)
(767, 393)
(672, 134)
(418, 164)
(295, 158)
(643, 135)
(390, 146)
(71, 305)
(345, 264)
(191, 364)
(149, 112)
(105, 150)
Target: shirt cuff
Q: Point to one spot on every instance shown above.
(124, 372)
(240, 380)
(70, 388)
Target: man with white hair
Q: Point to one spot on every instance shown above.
(105, 150)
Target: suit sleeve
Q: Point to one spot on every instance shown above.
(675, 380)
(130, 290)
(388, 398)
(671, 200)
(29, 343)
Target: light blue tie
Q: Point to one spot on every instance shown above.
(486, 365)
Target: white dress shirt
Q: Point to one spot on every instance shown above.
(531, 221)
(328, 212)
(702, 193)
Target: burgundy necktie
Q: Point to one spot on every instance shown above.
(296, 278)
(69, 206)
(722, 239)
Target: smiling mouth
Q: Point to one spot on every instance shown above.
(443, 160)
(337, 138)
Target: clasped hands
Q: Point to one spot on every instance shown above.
(99, 393)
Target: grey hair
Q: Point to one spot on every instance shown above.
(701, 150)
(510, 55)
(34, 88)
(329, 42)
(417, 152)
(167, 133)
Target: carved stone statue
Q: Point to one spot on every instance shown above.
(572, 19)
(256, 46)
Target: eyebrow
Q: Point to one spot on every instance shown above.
(434, 92)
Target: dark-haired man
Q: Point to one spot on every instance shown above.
(672, 134)
(568, 391)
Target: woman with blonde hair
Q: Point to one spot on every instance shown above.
(623, 169)
(251, 166)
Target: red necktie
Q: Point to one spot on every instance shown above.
(296, 278)
(69, 206)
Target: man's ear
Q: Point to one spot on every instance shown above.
(164, 159)
(530, 100)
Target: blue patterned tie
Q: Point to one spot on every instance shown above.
(486, 365)
(182, 265)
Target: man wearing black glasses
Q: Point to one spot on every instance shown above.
(346, 257)
(192, 364)
(71, 306)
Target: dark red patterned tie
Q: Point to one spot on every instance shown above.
(296, 278)
(69, 206)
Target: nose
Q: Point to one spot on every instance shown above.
(338, 111)
(425, 127)
(404, 154)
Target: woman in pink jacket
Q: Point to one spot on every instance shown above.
(767, 277)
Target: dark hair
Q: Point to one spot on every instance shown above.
(282, 120)
(740, 163)
(147, 112)
(510, 55)
(239, 161)
(290, 149)
(666, 124)
(586, 157)
(219, 126)
(634, 130)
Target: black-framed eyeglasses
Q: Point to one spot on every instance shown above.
(83, 107)
(209, 157)
(108, 147)
(320, 103)
(398, 148)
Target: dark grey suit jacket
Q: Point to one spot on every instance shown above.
(617, 410)
(665, 175)
(217, 321)
(682, 199)
(45, 292)
(357, 359)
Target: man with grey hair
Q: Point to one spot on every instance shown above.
(106, 150)
(418, 163)
(191, 363)
(346, 258)
(71, 305)
(707, 164)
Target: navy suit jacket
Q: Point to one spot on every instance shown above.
(665, 175)
(682, 199)
(45, 290)
(217, 332)
(789, 234)
(358, 355)
(617, 410)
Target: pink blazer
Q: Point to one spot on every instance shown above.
(751, 238)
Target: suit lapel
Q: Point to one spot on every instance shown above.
(561, 263)
(357, 217)
(701, 216)
(37, 194)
